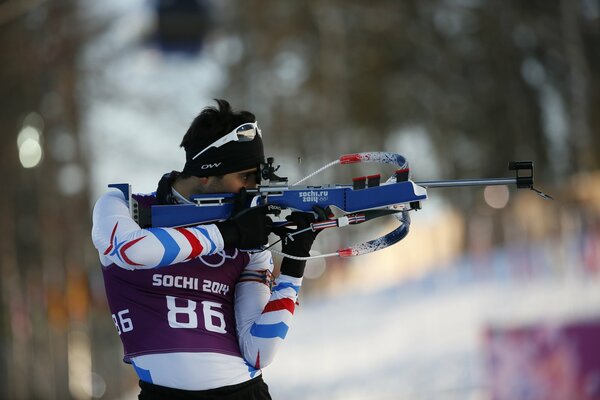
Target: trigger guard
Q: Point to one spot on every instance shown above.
(254, 201)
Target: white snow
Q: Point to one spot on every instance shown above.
(413, 341)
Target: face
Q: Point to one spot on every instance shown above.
(233, 182)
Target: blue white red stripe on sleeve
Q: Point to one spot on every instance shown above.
(272, 325)
(158, 247)
(120, 240)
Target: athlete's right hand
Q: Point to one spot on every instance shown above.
(248, 228)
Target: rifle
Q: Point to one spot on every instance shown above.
(366, 199)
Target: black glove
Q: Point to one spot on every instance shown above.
(248, 228)
(164, 191)
(298, 245)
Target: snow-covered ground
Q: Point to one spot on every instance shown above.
(414, 341)
(424, 338)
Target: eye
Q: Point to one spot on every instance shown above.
(248, 177)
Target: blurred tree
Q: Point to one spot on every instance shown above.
(473, 72)
(487, 81)
(45, 250)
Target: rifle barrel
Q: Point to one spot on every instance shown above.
(468, 182)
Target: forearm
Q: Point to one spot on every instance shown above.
(264, 317)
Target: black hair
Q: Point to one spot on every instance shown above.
(213, 123)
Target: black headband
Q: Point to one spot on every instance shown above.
(231, 157)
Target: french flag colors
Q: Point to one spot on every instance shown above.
(161, 247)
(272, 313)
(276, 316)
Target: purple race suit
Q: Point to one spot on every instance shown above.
(186, 307)
(190, 314)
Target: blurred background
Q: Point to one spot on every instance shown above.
(494, 294)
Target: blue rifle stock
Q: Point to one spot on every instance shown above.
(215, 207)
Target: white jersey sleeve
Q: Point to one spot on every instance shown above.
(120, 240)
(263, 315)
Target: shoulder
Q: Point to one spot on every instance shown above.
(113, 203)
(117, 197)
(110, 198)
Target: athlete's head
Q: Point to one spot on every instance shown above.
(224, 147)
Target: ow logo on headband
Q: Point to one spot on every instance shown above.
(209, 166)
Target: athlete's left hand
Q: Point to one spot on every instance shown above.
(300, 244)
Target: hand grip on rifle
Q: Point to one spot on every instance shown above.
(247, 228)
(299, 244)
